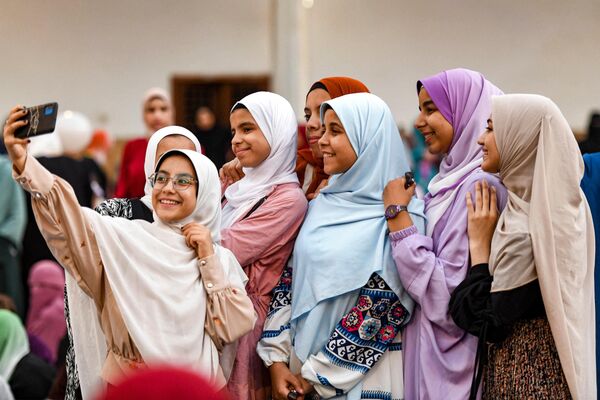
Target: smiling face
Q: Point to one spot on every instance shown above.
(169, 204)
(249, 143)
(436, 130)
(338, 153)
(491, 156)
(314, 128)
(157, 114)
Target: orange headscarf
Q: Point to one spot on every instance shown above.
(336, 86)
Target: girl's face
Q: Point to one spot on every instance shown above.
(314, 128)
(173, 204)
(431, 123)
(157, 114)
(173, 142)
(338, 153)
(248, 144)
(491, 156)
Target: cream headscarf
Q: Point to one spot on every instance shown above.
(151, 264)
(277, 121)
(546, 232)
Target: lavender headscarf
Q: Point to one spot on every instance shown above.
(464, 98)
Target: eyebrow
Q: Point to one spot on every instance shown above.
(167, 173)
(246, 124)
(428, 103)
(489, 121)
(334, 123)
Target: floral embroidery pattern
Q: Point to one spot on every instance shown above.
(368, 329)
(353, 320)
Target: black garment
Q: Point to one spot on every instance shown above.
(31, 378)
(592, 142)
(215, 143)
(121, 208)
(472, 304)
(81, 175)
(491, 316)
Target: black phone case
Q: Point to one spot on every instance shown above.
(41, 119)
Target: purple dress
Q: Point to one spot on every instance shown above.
(439, 356)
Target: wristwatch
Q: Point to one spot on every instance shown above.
(393, 210)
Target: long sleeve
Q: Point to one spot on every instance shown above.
(472, 305)
(358, 341)
(230, 313)
(280, 214)
(430, 271)
(63, 225)
(275, 344)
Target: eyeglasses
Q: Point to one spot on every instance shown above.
(158, 180)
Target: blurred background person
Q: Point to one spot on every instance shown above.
(13, 218)
(157, 111)
(46, 317)
(163, 382)
(591, 144)
(214, 139)
(28, 376)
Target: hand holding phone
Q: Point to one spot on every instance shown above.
(41, 119)
(16, 147)
(409, 179)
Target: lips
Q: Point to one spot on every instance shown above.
(239, 152)
(168, 203)
(313, 139)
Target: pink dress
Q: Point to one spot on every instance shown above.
(262, 243)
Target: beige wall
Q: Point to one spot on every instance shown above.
(100, 56)
(546, 47)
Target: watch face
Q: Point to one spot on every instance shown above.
(391, 211)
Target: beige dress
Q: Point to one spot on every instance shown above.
(72, 241)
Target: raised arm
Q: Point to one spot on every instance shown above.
(60, 218)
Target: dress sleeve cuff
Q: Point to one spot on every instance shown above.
(479, 270)
(34, 178)
(213, 275)
(404, 233)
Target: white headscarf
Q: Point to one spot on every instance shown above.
(88, 339)
(150, 160)
(277, 121)
(546, 231)
(150, 264)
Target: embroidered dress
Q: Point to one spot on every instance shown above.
(340, 330)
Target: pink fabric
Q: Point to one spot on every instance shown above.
(46, 317)
(262, 243)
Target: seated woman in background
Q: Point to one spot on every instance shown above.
(340, 334)
(454, 106)
(191, 288)
(28, 376)
(157, 111)
(261, 218)
(530, 291)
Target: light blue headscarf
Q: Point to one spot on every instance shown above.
(344, 238)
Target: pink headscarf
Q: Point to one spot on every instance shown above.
(46, 318)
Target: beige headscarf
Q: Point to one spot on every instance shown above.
(546, 232)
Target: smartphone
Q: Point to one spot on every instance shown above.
(41, 120)
(410, 179)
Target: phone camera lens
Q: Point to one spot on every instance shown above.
(48, 110)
